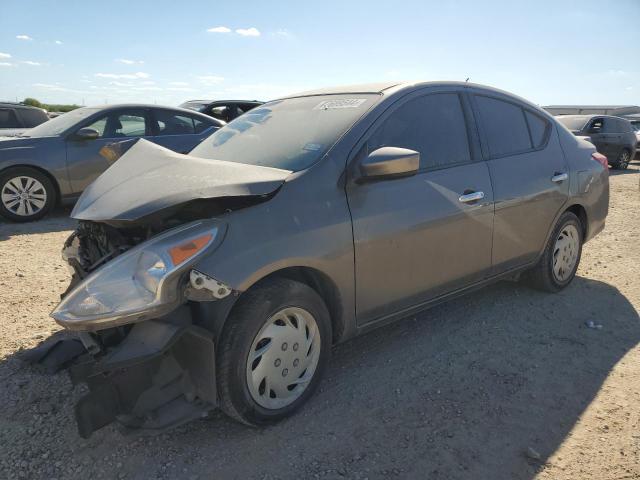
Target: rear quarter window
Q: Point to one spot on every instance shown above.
(538, 127)
(32, 118)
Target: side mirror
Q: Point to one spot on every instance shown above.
(86, 134)
(389, 162)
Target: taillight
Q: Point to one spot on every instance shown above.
(601, 159)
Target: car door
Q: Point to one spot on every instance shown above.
(88, 158)
(529, 174)
(179, 131)
(595, 129)
(418, 237)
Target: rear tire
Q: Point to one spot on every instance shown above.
(559, 262)
(26, 194)
(623, 160)
(267, 367)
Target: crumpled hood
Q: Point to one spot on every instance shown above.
(149, 178)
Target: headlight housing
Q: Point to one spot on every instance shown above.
(139, 284)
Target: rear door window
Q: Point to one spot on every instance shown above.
(8, 119)
(433, 125)
(504, 126)
(170, 123)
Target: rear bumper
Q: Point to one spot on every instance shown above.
(161, 375)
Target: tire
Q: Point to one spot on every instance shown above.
(623, 160)
(243, 395)
(37, 191)
(543, 276)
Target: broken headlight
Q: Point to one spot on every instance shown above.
(139, 284)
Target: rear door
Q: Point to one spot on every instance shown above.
(613, 137)
(179, 131)
(416, 237)
(87, 159)
(529, 175)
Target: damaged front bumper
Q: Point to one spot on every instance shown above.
(160, 376)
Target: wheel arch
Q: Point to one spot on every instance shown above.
(322, 284)
(45, 172)
(580, 212)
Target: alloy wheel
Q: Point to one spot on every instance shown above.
(565, 252)
(283, 358)
(23, 196)
(623, 162)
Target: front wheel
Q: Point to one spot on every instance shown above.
(560, 259)
(26, 194)
(273, 351)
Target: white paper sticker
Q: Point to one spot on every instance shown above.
(341, 103)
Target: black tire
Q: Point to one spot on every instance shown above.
(45, 181)
(542, 276)
(253, 310)
(623, 160)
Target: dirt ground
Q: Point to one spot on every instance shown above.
(506, 383)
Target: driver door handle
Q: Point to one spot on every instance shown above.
(559, 177)
(471, 197)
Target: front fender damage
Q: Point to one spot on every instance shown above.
(160, 376)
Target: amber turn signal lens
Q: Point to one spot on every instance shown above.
(186, 250)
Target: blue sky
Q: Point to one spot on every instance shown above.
(549, 51)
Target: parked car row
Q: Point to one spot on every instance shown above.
(222, 277)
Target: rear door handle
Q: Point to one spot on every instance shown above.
(471, 197)
(559, 177)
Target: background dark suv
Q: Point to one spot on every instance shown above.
(15, 118)
(225, 110)
(614, 137)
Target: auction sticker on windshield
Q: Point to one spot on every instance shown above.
(342, 103)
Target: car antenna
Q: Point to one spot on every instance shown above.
(466, 80)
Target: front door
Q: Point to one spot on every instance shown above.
(418, 237)
(86, 159)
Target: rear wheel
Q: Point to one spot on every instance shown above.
(273, 351)
(26, 194)
(622, 162)
(561, 257)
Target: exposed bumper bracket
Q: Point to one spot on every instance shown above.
(160, 376)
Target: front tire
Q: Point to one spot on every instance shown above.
(272, 352)
(26, 194)
(561, 256)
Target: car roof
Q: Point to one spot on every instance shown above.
(146, 105)
(222, 101)
(389, 88)
(19, 105)
(590, 115)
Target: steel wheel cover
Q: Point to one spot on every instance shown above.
(565, 252)
(23, 196)
(283, 358)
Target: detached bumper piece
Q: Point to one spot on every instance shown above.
(160, 376)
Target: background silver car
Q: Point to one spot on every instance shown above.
(55, 161)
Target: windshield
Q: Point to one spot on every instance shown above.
(572, 122)
(290, 134)
(57, 125)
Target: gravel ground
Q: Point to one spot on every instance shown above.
(506, 383)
